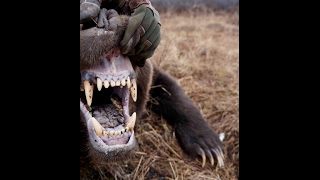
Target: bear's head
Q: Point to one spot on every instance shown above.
(113, 92)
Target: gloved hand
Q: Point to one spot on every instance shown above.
(88, 9)
(142, 35)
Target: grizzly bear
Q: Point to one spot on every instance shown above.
(114, 94)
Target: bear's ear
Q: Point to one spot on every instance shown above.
(96, 42)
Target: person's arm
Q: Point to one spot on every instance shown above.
(142, 35)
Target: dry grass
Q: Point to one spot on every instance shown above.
(202, 53)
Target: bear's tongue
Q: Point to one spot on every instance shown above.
(108, 115)
(111, 119)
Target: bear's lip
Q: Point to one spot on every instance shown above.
(105, 89)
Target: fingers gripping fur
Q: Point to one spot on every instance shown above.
(96, 42)
(88, 9)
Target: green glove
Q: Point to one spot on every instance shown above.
(142, 35)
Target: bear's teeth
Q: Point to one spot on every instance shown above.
(118, 83)
(112, 132)
(106, 84)
(97, 127)
(100, 131)
(106, 134)
(133, 90)
(132, 121)
(117, 133)
(112, 83)
(99, 84)
(123, 82)
(128, 82)
(115, 101)
(88, 88)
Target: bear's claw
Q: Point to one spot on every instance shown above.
(218, 153)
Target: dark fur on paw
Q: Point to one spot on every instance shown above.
(200, 139)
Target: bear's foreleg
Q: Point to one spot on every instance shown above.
(195, 136)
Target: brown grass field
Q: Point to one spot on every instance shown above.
(201, 51)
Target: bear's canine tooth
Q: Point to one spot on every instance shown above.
(88, 91)
(116, 101)
(97, 127)
(132, 121)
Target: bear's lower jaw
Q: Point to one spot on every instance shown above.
(109, 143)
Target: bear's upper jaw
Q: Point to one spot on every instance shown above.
(106, 89)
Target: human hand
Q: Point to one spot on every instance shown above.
(142, 35)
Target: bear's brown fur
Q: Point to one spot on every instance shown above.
(105, 62)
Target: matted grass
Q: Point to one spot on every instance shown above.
(202, 53)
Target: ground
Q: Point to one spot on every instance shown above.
(201, 51)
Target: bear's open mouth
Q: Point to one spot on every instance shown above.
(105, 92)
